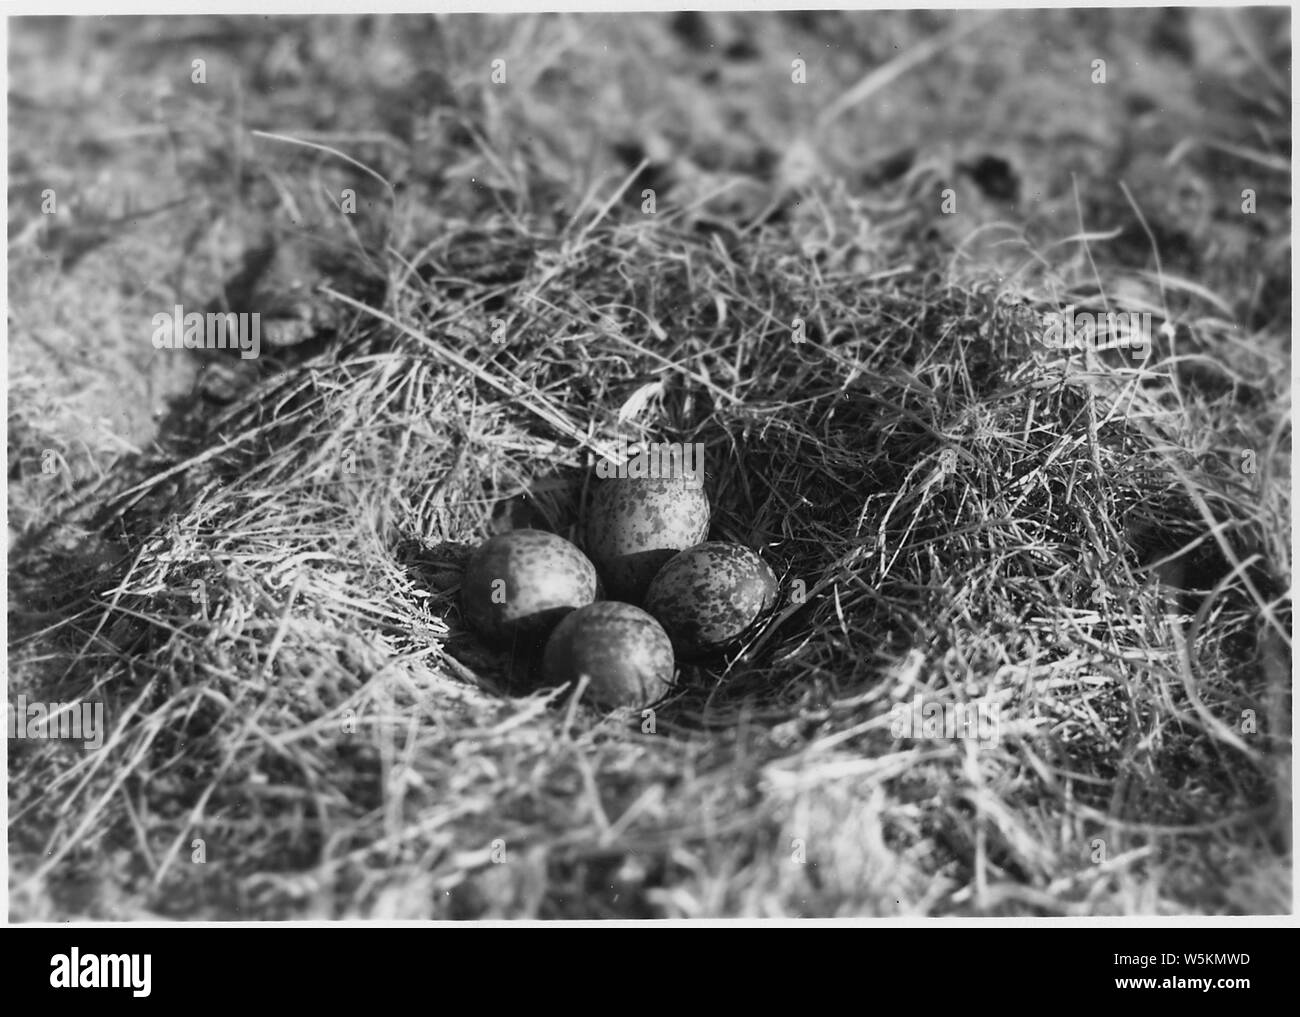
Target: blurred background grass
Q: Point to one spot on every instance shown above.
(163, 190)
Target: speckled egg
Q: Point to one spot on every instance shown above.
(625, 653)
(518, 585)
(635, 525)
(709, 595)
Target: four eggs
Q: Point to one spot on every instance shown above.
(673, 595)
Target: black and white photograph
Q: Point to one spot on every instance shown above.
(672, 466)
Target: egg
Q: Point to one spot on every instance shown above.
(708, 596)
(634, 525)
(623, 651)
(519, 584)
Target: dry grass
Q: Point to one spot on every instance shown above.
(266, 602)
